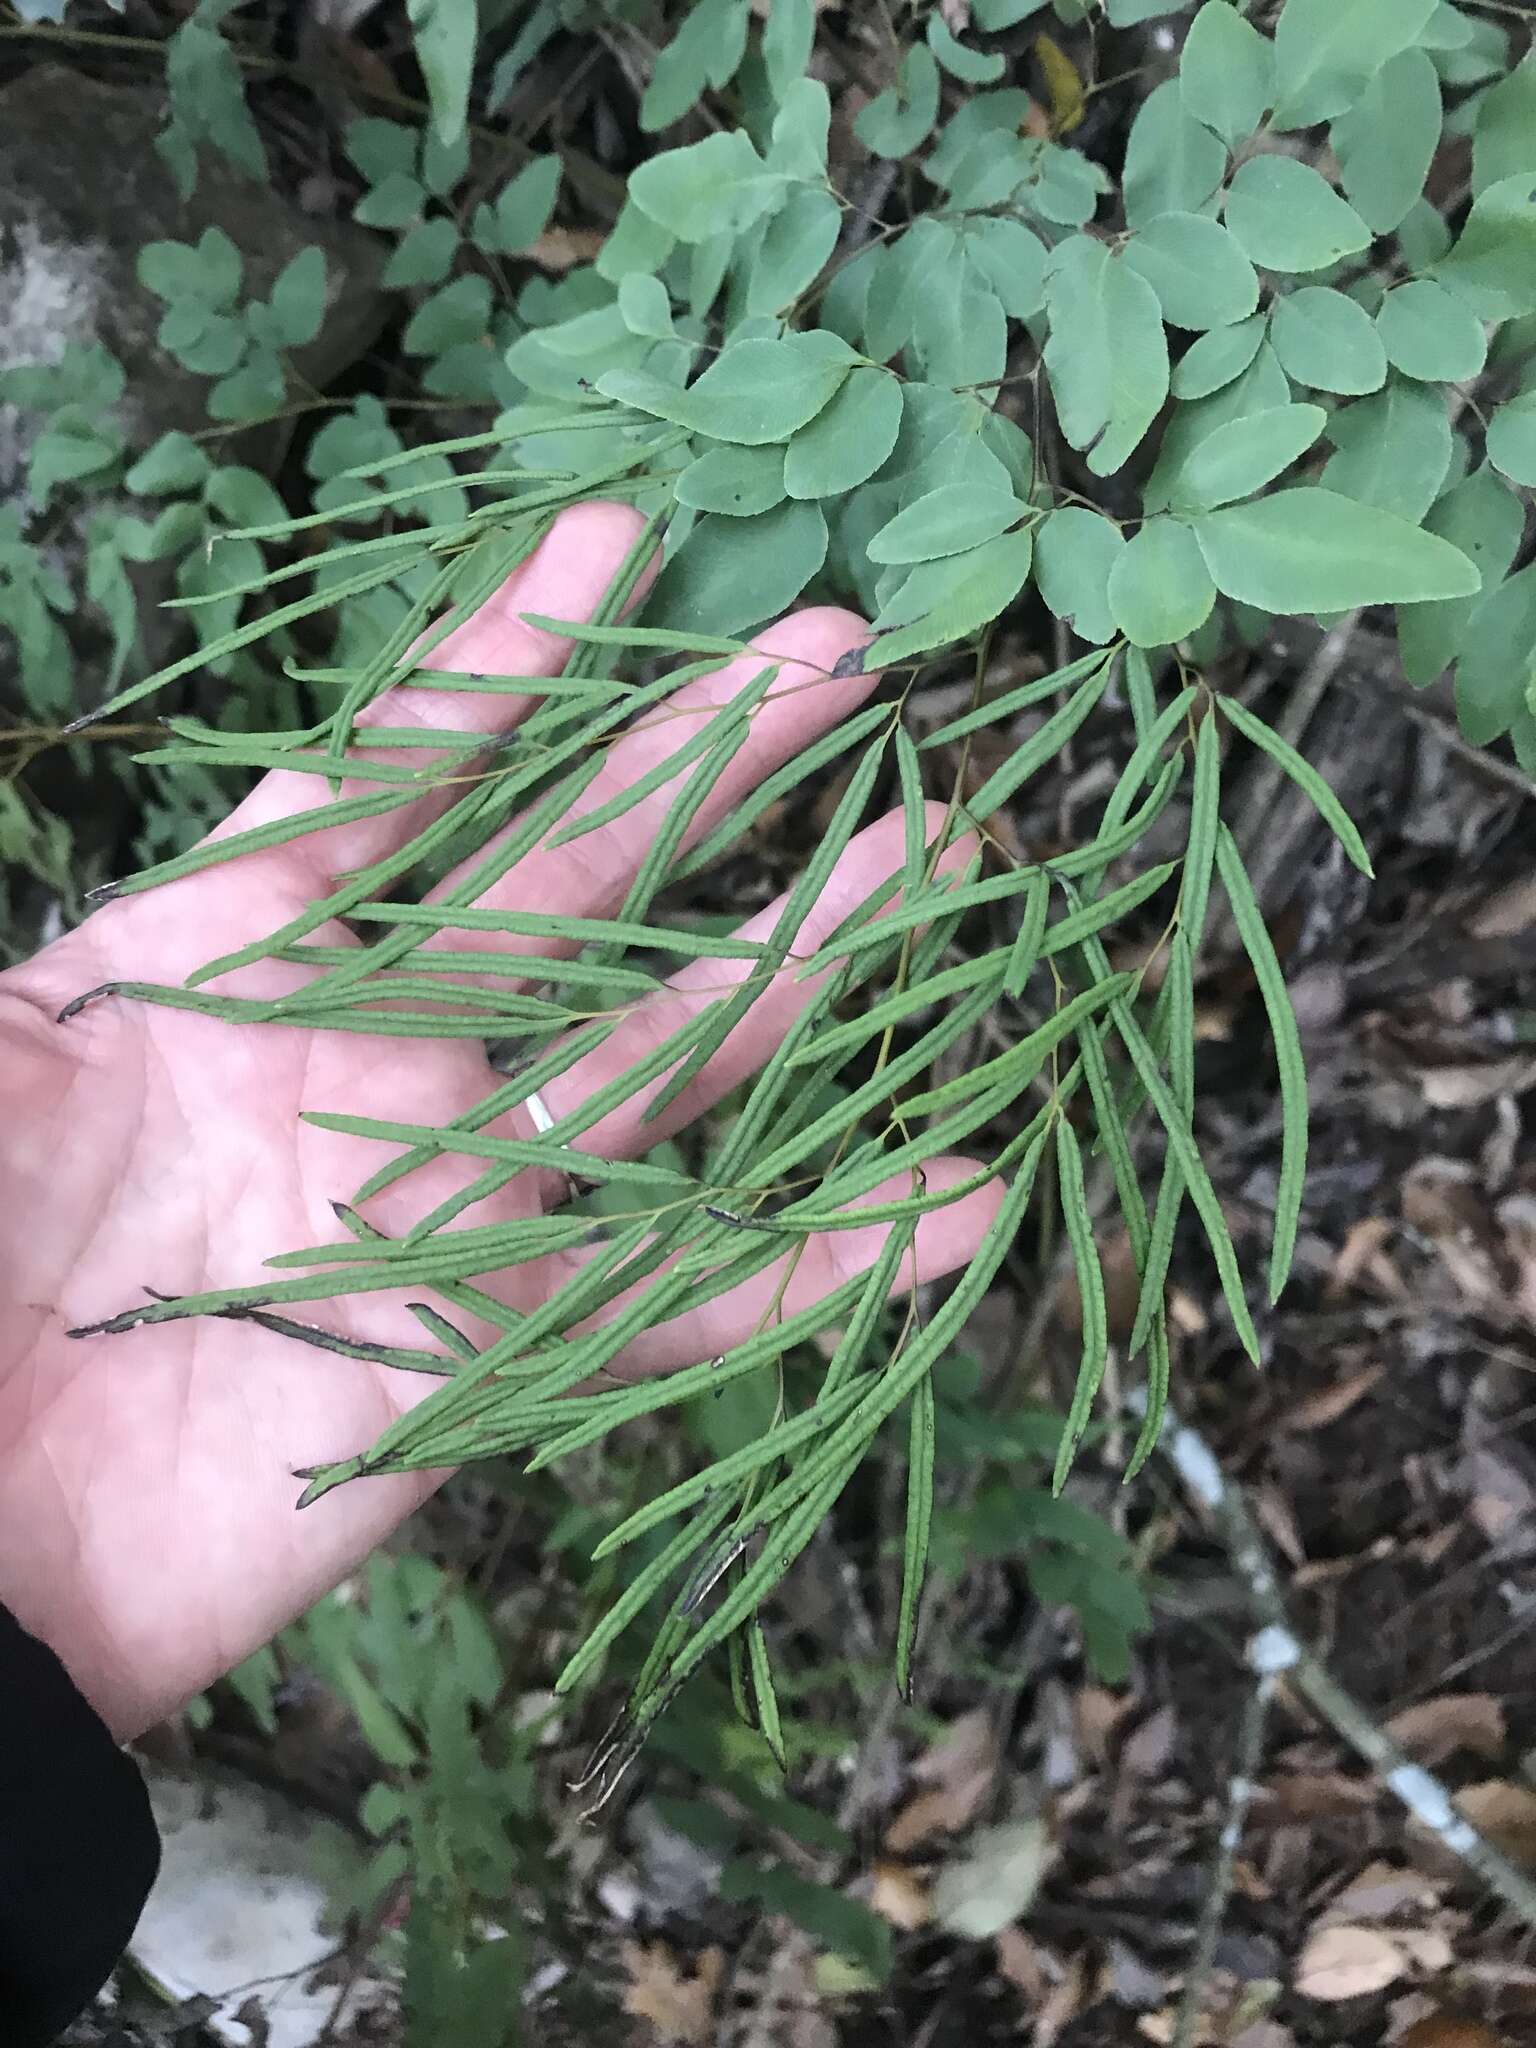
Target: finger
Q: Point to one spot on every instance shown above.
(566, 577)
(946, 1239)
(587, 876)
(872, 857)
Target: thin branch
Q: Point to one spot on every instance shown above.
(1277, 1649)
(1218, 1893)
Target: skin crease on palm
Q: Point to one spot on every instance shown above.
(147, 1498)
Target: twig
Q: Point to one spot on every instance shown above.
(1218, 1893)
(1278, 1649)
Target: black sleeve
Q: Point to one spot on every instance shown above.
(78, 1846)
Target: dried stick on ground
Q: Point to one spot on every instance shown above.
(1213, 1908)
(1279, 1650)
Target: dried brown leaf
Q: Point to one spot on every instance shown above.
(677, 1999)
(1435, 1729)
(958, 1772)
(1381, 1892)
(1317, 1411)
(1506, 1814)
(1444, 2030)
(1347, 1962)
(899, 1895)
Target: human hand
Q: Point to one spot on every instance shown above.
(147, 1524)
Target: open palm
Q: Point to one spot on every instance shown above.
(147, 1524)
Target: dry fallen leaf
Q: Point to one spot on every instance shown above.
(1317, 1795)
(899, 1896)
(993, 1879)
(678, 2002)
(1347, 1962)
(1380, 1892)
(564, 248)
(1318, 1410)
(1470, 1086)
(958, 1773)
(1444, 2030)
(1020, 1964)
(1507, 911)
(1063, 2005)
(1434, 1729)
(1506, 1814)
(1147, 1751)
(1427, 1949)
(1362, 1256)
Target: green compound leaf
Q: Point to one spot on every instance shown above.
(1185, 1154)
(206, 89)
(1328, 341)
(524, 205)
(754, 392)
(737, 481)
(460, 312)
(1286, 216)
(1512, 439)
(646, 306)
(1090, 1288)
(1311, 550)
(381, 149)
(1484, 518)
(715, 187)
(445, 33)
(1241, 457)
(1220, 356)
(1394, 448)
(425, 256)
(1160, 589)
(706, 50)
(1498, 659)
(395, 202)
(297, 300)
(1226, 72)
(732, 573)
(1431, 335)
(1200, 853)
(1107, 354)
(1012, 260)
(174, 463)
(1492, 263)
(789, 35)
(972, 67)
(948, 521)
(771, 1725)
(1504, 140)
(1201, 278)
(1326, 54)
(1075, 555)
(896, 121)
(1254, 933)
(1173, 163)
(971, 591)
(1386, 143)
(919, 1526)
(798, 240)
(849, 438)
(959, 329)
(1304, 775)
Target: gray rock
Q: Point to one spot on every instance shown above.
(82, 188)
